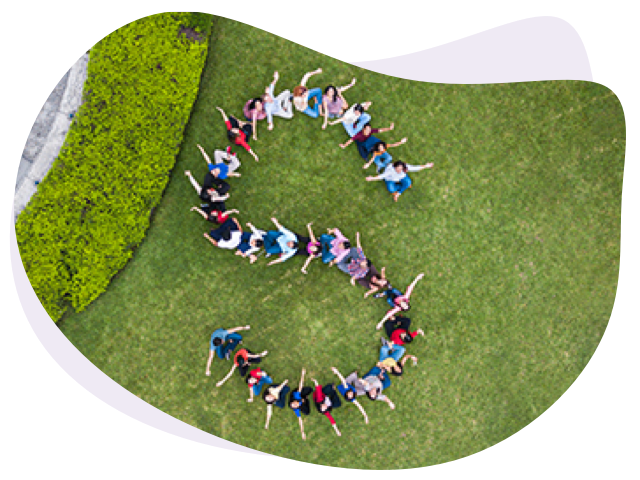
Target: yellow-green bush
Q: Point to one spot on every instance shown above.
(93, 207)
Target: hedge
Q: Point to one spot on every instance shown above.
(93, 207)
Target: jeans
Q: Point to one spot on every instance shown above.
(382, 161)
(271, 245)
(396, 353)
(257, 388)
(325, 241)
(375, 371)
(359, 125)
(233, 340)
(364, 148)
(400, 186)
(314, 111)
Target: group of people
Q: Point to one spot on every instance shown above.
(333, 248)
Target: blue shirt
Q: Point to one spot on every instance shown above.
(220, 333)
(343, 390)
(223, 168)
(296, 396)
(286, 237)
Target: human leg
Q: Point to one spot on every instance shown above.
(233, 340)
(313, 110)
(271, 245)
(404, 184)
(286, 107)
(383, 160)
(392, 186)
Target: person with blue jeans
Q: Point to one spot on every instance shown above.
(256, 379)
(390, 350)
(216, 344)
(282, 242)
(396, 178)
(354, 119)
(302, 95)
(380, 155)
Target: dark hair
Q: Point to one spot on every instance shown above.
(217, 341)
(335, 96)
(397, 374)
(368, 124)
(346, 244)
(408, 338)
(358, 108)
(259, 243)
(369, 396)
(295, 245)
(231, 135)
(377, 146)
(252, 104)
(349, 394)
(368, 262)
(399, 163)
(266, 392)
(318, 250)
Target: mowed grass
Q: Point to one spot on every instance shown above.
(516, 228)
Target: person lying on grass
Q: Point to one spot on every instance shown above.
(214, 212)
(279, 106)
(333, 102)
(302, 95)
(212, 190)
(398, 301)
(365, 140)
(286, 244)
(315, 248)
(299, 403)
(354, 119)
(238, 132)
(380, 156)
(398, 331)
(326, 399)
(372, 384)
(374, 281)
(275, 395)
(242, 360)
(349, 393)
(391, 358)
(216, 344)
(220, 169)
(256, 379)
(253, 111)
(339, 246)
(396, 178)
(230, 236)
(355, 264)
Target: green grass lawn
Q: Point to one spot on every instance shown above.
(516, 228)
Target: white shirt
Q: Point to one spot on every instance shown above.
(233, 242)
(391, 175)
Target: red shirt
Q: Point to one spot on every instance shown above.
(240, 139)
(319, 397)
(361, 137)
(241, 353)
(395, 336)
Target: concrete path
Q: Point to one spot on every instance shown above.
(48, 133)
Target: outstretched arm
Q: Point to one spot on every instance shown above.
(304, 437)
(390, 403)
(371, 291)
(238, 329)
(255, 125)
(269, 412)
(311, 235)
(407, 357)
(389, 314)
(253, 154)
(207, 372)
(196, 209)
(361, 408)
(306, 264)
(221, 382)
(387, 129)
(373, 179)
(325, 112)
(335, 427)
(206, 235)
(358, 244)
(335, 370)
(413, 284)
(347, 143)
(308, 75)
(224, 115)
(397, 144)
(204, 154)
(301, 380)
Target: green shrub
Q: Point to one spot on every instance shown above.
(93, 207)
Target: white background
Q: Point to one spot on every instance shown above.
(533, 49)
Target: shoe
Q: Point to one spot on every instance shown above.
(379, 295)
(227, 355)
(384, 341)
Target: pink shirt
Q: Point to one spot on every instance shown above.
(261, 115)
(337, 250)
